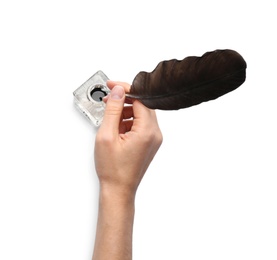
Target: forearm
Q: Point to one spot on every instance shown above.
(115, 226)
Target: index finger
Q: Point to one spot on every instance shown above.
(144, 116)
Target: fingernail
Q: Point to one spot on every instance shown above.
(117, 92)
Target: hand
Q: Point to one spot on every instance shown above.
(125, 145)
(126, 142)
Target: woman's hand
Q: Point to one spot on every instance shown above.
(126, 142)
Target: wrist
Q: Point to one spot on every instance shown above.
(116, 194)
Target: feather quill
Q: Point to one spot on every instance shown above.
(176, 84)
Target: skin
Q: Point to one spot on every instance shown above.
(125, 145)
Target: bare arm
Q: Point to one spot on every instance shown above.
(126, 143)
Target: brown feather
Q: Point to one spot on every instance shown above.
(178, 84)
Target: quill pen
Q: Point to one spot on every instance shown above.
(176, 84)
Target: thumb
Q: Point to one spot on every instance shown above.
(113, 110)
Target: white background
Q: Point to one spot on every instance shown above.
(211, 191)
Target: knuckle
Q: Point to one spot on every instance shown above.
(155, 136)
(159, 137)
(113, 109)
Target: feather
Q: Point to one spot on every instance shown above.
(176, 84)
